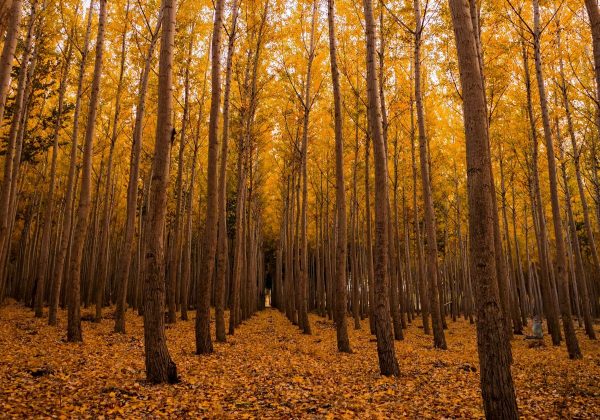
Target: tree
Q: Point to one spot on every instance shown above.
(439, 339)
(343, 342)
(61, 267)
(203, 340)
(82, 217)
(499, 400)
(388, 364)
(223, 258)
(132, 185)
(560, 260)
(160, 367)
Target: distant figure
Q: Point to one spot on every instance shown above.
(536, 329)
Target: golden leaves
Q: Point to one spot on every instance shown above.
(269, 369)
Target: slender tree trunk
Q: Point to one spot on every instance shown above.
(497, 387)
(12, 155)
(560, 262)
(203, 339)
(160, 367)
(223, 257)
(594, 16)
(61, 268)
(439, 339)
(421, 279)
(343, 342)
(388, 364)
(43, 272)
(83, 208)
(104, 238)
(307, 104)
(514, 307)
(550, 307)
(132, 186)
(176, 245)
(369, 243)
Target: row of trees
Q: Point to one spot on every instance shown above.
(281, 195)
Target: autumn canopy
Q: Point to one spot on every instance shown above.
(304, 208)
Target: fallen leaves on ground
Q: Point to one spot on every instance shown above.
(269, 369)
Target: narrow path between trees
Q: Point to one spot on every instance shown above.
(270, 369)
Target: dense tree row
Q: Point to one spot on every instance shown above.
(392, 160)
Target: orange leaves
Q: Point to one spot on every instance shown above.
(269, 369)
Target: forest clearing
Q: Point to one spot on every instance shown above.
(300, 208)
(269, 369)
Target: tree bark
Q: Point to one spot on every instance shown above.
(388, 364)
(560, 261)
(343, 341)
(132, 186)
(106, 213)
(203, 339)
(439, 339)
(497, 387)
(160, 367)
(223, 257)
(43, 273)
(61, 268)
(83, 208)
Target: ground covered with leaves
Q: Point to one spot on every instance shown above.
(270, 369)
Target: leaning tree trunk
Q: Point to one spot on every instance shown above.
(343, 342)
(549, 303)
(421, 278)
(561, 263)
(159, 366)
(388, 364)
(49, 207)
(580, 272)
(594, 16)
(132, 186)
(104, 235)
(223, 257)
(497, 387)
(209, 244)
(6, 64)
(83, 208)
(175, 249)
(307, 102)
(60, 269)
(439, 339)
(5, 15)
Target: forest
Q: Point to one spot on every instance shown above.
(300, 209)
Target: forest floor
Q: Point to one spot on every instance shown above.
(269, 369)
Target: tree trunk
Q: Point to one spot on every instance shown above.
(497, 388)
(223, 257)
(159, 366)
(203, 339)
(550, 307)
(61, 268)
(132, 186)
(104, 236)
(43, 272)
(560, 261)
(439, 339)
(388, 364)
(83, 208)
(343, 342)
(176, 246)
(6, 64)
